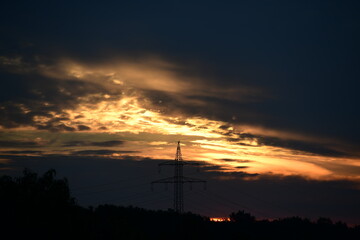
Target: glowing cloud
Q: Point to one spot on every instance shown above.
(123, 106)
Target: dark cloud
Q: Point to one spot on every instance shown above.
(235, 160)
(113, 143)
(21, 152)
(19, 144)
(76, 143)
(307, 65)
(241, 167)
(100, 152)
(228, 160)
(55, 127)
(339, 168)
(83, 128)
(314, 148)
(210, 167)
(308, 93)
(24, 97)
(79, 116)
(217, 108)
(224, 176)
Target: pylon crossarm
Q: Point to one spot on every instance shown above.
(187, 179)
(178, 163)
(167, 163)
(190, 163)
(164, 180)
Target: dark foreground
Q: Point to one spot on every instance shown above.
(34, 207)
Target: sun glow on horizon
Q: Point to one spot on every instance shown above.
(220, 219)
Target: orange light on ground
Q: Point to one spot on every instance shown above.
(224, 219)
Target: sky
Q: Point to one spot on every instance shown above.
(263, 94)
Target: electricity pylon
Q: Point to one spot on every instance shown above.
(178, 179)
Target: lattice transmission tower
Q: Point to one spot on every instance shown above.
(178, 179)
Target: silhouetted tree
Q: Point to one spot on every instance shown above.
(242, 217)
(41, 207)
(34, 204)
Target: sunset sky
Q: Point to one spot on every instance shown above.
(263, 94)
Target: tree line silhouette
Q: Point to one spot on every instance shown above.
(41, 207)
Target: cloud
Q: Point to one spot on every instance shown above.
(218, 68)
(241, 167)
(324, 147)
(253, 136)
(34, 100)
(235, 160)
(113, 143)
(100, 152)
(61, 85)
(252, 104)
(227, 172)
(19, 144)
(21, 152)
(309, 147)
(83, 128)
(54, 126)
(67, 95)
